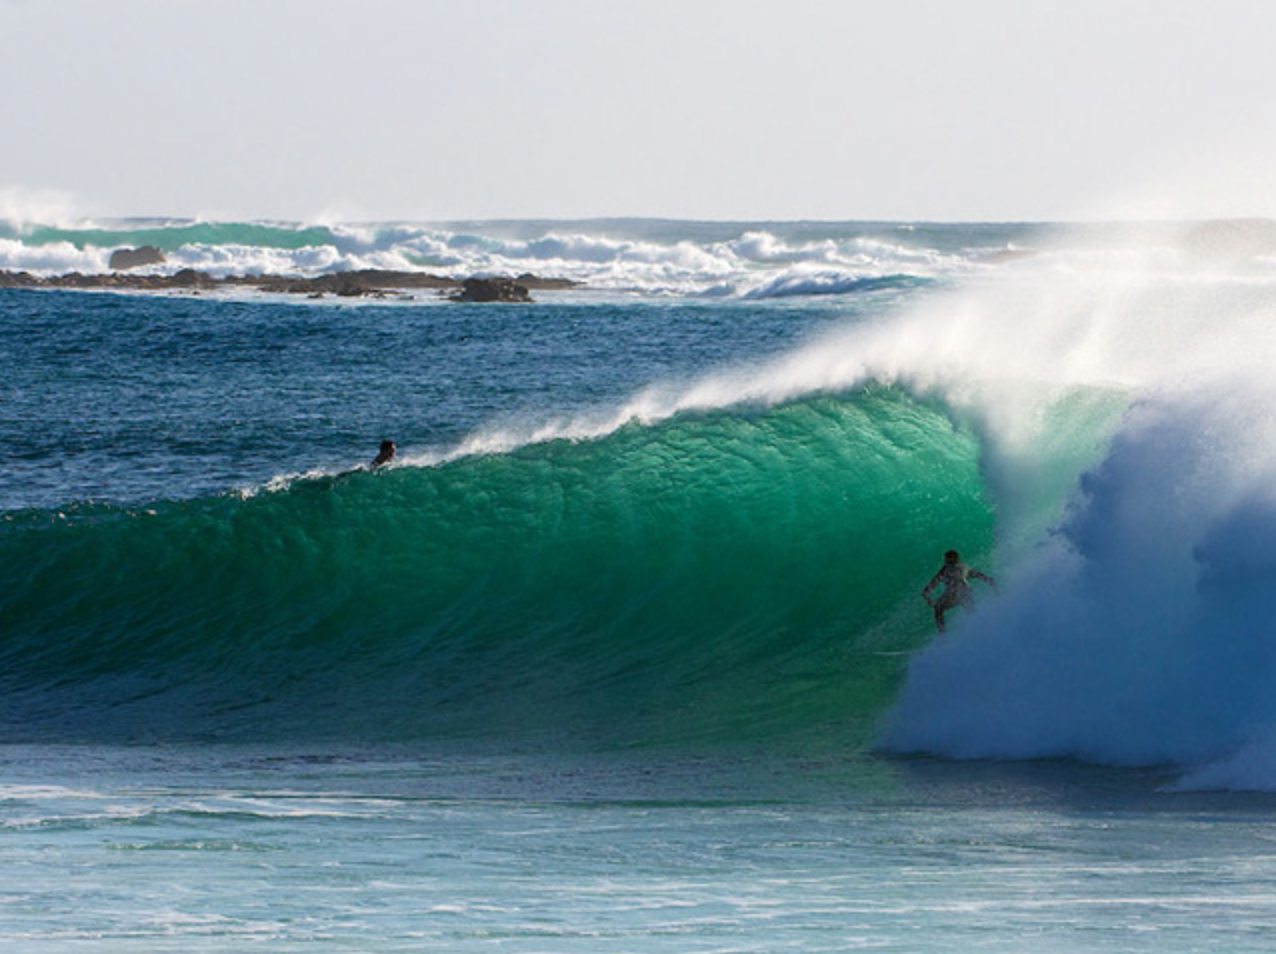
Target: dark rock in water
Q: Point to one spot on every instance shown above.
(353, 284)
(124, 258)
(492, 289)
(189, 278)
(19, 280)
(530, 281)
(371, 282)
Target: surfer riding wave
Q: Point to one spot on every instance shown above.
(955, 577)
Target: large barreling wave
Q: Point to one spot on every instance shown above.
(739, 559)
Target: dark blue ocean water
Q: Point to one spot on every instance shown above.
(131, 397)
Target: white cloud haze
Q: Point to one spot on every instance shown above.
(919, 109)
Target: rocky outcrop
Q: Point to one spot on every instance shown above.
(20, 280)
(126, 258)
(365, 282)
(189, 278)
(492, 289)
(536, 283)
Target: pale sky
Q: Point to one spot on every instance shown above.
(717, 109)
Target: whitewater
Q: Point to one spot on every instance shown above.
(626, 650)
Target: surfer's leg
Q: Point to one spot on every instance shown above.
(943, 604)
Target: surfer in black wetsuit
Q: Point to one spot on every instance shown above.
(955, 577)
(384, 455)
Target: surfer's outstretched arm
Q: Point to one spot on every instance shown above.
(976, 575)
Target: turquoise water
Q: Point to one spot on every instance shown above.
(164, 850)
(626, 651)
(684, 581)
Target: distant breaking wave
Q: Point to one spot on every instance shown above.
(649, 257)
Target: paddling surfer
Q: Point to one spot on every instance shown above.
(384, 455)
(955, 577)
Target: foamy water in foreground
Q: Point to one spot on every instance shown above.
(217, 850)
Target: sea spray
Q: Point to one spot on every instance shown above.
(1140, 631)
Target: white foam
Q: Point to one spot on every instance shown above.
(56, 258)
(756, 263)
(805, 280)
(1143, 630)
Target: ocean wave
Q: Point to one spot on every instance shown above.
(55, 258)
(598, 255)
(1135, 623)
(672, 584)
(806, 283)
(1142, 634)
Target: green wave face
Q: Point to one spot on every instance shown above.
(711, 580)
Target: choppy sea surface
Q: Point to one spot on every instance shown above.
(626, 649)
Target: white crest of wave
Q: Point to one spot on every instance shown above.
(807, 281)
(222, 260)
(1142, 630)
(55, 258)
(1002, 353)
(748, 265)
(754, 264)
(756, 246)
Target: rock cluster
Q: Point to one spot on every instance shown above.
(186, 278)
(353, 284)
(492, 289)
